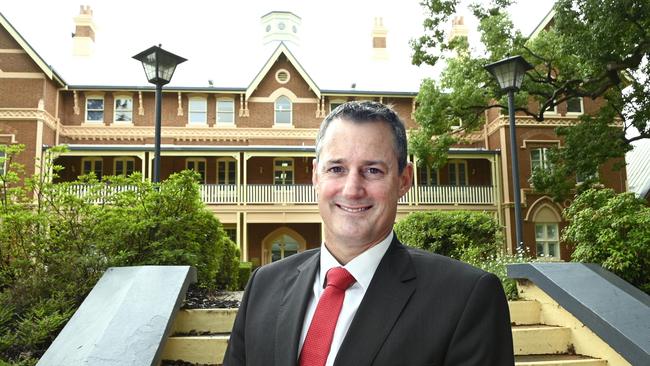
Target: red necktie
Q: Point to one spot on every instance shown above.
(321, 330)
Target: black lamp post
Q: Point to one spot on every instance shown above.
(509, 73)
(159, 66)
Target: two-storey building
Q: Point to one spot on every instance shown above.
(252, 139)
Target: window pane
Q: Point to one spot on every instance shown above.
(94, 104)
(198, 105)
(225, 117)
(540, 248)
(197, 117)
(574, 105)
(283, 117)
(551, 230)
(130, 167)
(462, 179)
(95, 116)
(87, 167)
(123, 116)
(276, 252)
(539, 231)
(225, 111)
(123, 104)
(552, 250)
(452, 174)
(119, 167)
(423, 178)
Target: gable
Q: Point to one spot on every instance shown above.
(19, 56)
(283, 58)
(272, 82)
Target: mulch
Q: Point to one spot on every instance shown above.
(200, 298)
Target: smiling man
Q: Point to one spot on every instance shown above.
(363, 298)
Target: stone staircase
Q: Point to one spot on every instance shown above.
(201, 337)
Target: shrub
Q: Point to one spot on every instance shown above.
(55, 245)
(473, 237)
(612, 230)
(245, 269)
(456, 234)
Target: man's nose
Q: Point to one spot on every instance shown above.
(354, 185)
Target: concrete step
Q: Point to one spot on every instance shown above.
(200, 321)
(558, 360)
(206, 350)
(524, 312)
(541, 340)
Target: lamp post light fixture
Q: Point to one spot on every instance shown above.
(509, 73)
(159, 66)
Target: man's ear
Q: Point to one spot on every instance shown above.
(406, 179)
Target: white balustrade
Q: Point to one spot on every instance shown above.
(285, 194)
(305, 194)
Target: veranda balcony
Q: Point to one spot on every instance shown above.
(304, 194)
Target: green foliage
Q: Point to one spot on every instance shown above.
(612, 230)
(454, 234)
(55, 243)
(473, 237)
(245, 269)
(594, 49)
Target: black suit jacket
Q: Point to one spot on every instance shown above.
(420, 309)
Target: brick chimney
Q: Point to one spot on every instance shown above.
(83, 38)
(458, 28)
(379, 33)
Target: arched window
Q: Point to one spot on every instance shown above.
(282, 243)
(283, 111)
(547, 233)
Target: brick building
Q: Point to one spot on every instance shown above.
(253, 142)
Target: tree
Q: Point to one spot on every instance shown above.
(612, 230)
(593, 49)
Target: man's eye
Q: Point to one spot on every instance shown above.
(374, 171)
(335, 169)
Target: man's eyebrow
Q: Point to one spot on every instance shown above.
(364, 163)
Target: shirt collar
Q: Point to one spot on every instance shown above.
(362, 267)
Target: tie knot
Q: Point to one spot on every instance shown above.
(340, 278)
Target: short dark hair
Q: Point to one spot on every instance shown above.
(368, 112)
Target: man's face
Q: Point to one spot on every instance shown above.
(358, 184)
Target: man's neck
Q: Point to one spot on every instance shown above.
(344, 253)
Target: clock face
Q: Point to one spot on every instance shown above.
(281, 26)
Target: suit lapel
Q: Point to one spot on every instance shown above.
(297, 292)
(388, 293)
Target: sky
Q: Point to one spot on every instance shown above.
(229, 34)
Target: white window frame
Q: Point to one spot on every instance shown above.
(276, 110)
(190, 111)
(283, 169)
(115, 99)
(93, 162)
(221, 123)
(546, 241)
(545, 164)
(124, 160)
(103, 110)
(227, 170)
(457, 163)
(196, 162)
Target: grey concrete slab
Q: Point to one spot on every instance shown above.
(616, 311)
(124, 320)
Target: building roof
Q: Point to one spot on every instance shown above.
(232, 59)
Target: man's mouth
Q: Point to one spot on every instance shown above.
(353, 209)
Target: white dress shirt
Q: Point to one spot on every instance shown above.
(362, 268)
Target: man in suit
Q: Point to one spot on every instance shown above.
(395, 305)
